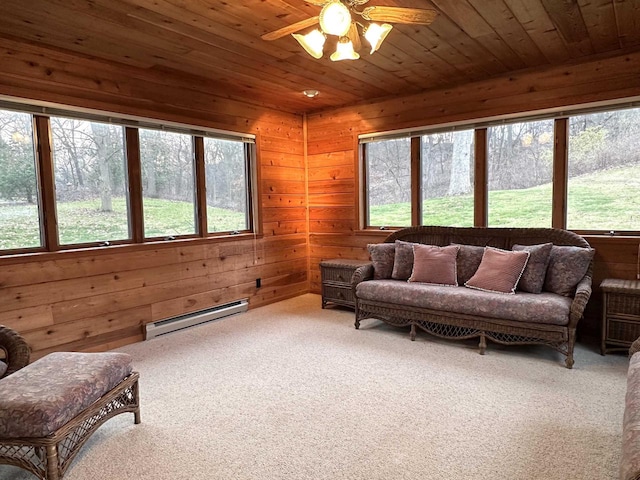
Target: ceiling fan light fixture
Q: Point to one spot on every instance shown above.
(311, 93)
(335, 18)
(312, 42)
(376, 33)
(344, 51)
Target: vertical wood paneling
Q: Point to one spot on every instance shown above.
(101, 298)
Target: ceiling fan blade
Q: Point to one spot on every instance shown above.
(294, 27)
(414, 16)
(354, 37)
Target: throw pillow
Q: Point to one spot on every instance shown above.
(567, 266)
(532, 278)
(499, 271)
(382, 255)
(468, 261)
(436, 265)
(403, 262)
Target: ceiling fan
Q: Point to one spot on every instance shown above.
(345, 20)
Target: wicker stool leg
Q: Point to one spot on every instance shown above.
(413, 332)
(52, 463)
(483, 344)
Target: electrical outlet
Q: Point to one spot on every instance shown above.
(258, 282)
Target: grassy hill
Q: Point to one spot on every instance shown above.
(604, 200)
(599, 201)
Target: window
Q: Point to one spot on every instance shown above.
(91, 181)
(19, 211)
(447, 178)
(604, 171)
(168, 183)
(520, 174)
(227, 185)
(388, 182)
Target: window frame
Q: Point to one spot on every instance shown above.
(45, 178)
(38, 164)
(560, 179)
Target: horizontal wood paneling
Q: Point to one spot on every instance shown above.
(101, 298)
(333, 163)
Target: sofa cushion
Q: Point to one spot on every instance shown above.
(468, 261)
(547, 308)
(382, 256)
(40, 398)
(532, 279)
(403, 262)
(499, 271)
(433, 264)
(567, 266)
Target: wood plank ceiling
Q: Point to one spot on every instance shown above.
(219, 42)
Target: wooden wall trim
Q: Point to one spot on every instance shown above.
(134, 170)
(416, 181)
(560, 173)
(47, 185)
(201, 186)
(480, 177)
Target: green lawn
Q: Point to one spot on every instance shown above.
(81, 222)
(607, 200)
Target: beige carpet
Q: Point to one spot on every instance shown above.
(290, 391)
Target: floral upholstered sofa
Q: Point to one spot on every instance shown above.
(509, 285)
(630, 462)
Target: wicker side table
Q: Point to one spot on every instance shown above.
(620, 314)
(336, 281)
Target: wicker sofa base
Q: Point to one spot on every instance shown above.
(49, 457)
(460, 327)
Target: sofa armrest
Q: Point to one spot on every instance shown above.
(583, 293)
(361, 274)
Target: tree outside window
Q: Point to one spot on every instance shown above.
(19, 211)
(447, 178)
(520, 174)
(388, 169)
(226, 183)
(604, 171)
(168, 183)
(91, 181)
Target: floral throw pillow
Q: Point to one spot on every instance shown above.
(567, 266)
(499, 271)
(403, 262)
(468, 261)
(382, 257)
(532, 279)
(435, 265)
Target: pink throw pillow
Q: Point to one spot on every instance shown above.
(499, 271)
(435, 265)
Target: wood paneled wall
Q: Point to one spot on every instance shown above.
(333, 164)
(100, 298)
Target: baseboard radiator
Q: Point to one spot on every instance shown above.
(162, 327)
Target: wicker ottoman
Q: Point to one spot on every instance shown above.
(50, 408)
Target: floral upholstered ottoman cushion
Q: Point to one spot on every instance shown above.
(45, 395)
